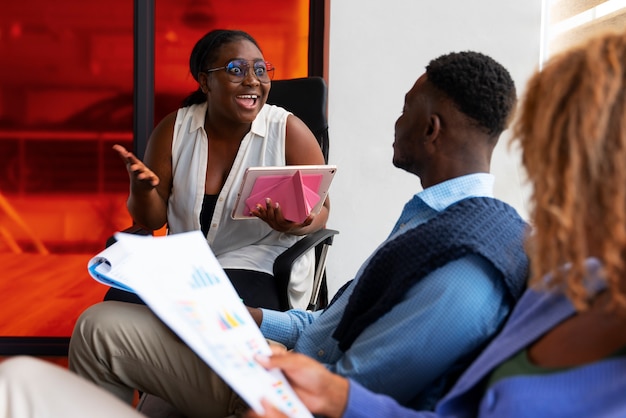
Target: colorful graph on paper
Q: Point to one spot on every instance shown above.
(180, 279)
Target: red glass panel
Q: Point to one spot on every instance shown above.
(65, 99)
(281, 30)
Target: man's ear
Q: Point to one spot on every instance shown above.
(434, 126)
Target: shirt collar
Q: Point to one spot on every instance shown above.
(442, 195)
(197, 117)
(259, 124)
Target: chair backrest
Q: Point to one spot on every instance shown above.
(307, 99)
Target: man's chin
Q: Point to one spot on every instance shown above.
(403, 166)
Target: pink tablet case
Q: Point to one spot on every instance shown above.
(296, 194)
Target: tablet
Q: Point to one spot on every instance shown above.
(298, 189)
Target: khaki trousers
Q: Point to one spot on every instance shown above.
(33, 388)
(122, 347)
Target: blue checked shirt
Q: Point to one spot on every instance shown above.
(447, 314)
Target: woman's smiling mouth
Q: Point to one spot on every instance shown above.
(247, 100)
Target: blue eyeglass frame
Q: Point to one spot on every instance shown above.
(241, 64)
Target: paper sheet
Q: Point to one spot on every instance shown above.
(180, 279)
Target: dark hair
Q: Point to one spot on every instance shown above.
(480, 87)
(204, 54)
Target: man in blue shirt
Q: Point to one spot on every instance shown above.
(419, 309)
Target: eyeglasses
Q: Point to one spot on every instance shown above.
(238, 69)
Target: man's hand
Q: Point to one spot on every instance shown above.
(321, 391)
(256, 314)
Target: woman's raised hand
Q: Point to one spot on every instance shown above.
(138, 172)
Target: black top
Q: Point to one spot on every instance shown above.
(208, 207)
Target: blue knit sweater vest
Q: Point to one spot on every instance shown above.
(483, 226)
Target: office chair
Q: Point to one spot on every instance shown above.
(306, 98)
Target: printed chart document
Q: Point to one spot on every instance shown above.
(180, 279)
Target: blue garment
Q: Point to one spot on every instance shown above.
(592, 390)
(449, 313)
(478, 225)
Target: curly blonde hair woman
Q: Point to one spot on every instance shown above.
(572, 129)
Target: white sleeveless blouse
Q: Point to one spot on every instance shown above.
(238, 244)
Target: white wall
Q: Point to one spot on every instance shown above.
(377, 49)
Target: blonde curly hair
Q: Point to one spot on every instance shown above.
(572, 130)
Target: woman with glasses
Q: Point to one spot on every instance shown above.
(196, 158)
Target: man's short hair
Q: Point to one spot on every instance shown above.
(480, 87)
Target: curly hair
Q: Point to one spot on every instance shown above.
(204, 54)
(572, 130)
(480, 87)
